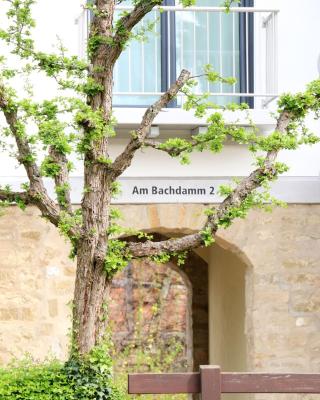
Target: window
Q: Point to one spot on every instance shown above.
(188, 39)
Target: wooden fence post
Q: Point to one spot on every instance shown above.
(210, 382)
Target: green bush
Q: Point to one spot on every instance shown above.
(88, 378)
(35, 382)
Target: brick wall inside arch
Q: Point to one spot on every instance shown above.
(165, 305)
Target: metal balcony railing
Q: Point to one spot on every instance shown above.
(241, 43)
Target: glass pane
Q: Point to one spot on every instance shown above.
(209, 38)
(201, 38)
(138, 70)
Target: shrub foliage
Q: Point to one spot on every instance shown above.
(86, 378)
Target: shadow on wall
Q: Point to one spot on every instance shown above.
(228, 341)
(227, 307)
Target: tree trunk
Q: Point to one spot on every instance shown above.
(92, 289)
(92, 286)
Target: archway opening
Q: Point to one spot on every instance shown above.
(151, 313)
(200, 307)
(165, 304)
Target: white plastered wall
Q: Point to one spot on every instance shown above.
(298, 64)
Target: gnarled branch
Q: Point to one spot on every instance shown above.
(173, 152)
(37, 193)
(123, 161)
(61, 180)
(13, 197)
(238, 195)
(127, 23)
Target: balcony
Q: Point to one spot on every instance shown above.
(241, 44)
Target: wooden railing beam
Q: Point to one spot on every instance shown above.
(193, 382)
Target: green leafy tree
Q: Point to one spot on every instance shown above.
(80, 121)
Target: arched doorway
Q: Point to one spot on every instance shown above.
(150, 310)
(201, 306)
(166, 304)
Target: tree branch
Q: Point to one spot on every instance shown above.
(61, 180)
(212, 139)
(37, 192)
(238, 195)
(123, 161)
(253, 181)
(126, 24)
(13, 197)
(173, 151)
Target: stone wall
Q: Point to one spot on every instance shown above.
(36, 282)
(281, 251)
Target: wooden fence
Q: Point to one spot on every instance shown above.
(211, 382)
